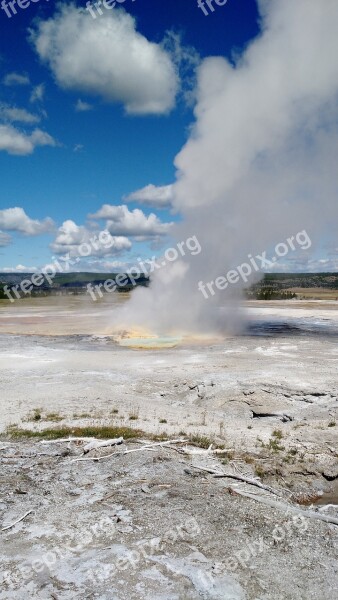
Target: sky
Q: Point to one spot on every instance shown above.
(93, 114)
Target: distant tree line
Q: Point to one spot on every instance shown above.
(269, 294)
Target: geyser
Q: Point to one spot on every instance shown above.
(260, 165)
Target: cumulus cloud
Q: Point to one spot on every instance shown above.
(19, 269)
(152, 195)
(19, 115)
(106, 266)
(17, 142)
(109, 58)
(308, 265)
(324, 265)
(122, 221)
(15, 219)
(80, 241)
(16, 79)
(5, 239)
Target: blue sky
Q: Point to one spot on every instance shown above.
(101, 154)
(76, 135)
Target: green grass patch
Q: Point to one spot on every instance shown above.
(275, 446)
(53, 417)
(277, 434)
(82, 416)
(103, 433)
(259, 471)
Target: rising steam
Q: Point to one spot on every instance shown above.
(260, 163)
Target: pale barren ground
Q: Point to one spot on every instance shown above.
(237, 392)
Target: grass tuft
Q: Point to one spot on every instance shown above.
(35, 415)
(53, 417)
(201, 441)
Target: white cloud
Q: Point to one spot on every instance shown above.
(82, 106)
(17, 142)
(15, 219)
(122, 221)
(41, 138)
(307, 265)
(106, 266)
(107, 57)
(5, 239)
(186, 59)
(325, 265)
(16, 79)
(20, 115)
(19, 269)
(71, 236)
(152, 195)
(37, 93)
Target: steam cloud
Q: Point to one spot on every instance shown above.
(260, 163)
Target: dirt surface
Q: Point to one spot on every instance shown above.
(269, 398)
(147, 525)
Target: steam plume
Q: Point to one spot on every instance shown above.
(260, 163)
